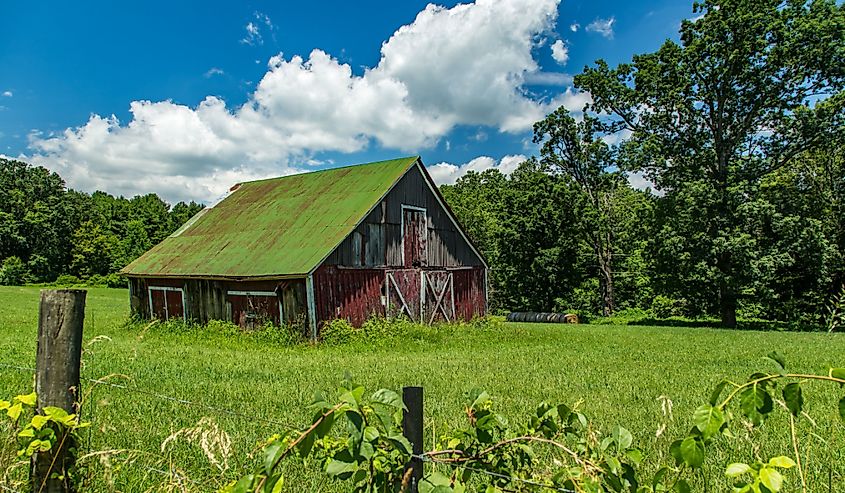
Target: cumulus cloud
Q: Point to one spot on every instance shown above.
(574, 27)
(602, 26)
(560, 52)
(466, 65)
(7, 94)
(639, 181)
(448, 174)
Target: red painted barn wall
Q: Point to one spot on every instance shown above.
(353, 294)
(470, 295)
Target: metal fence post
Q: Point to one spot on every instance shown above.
(412, 428)
(60, 319)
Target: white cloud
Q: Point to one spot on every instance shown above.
(574, 27)
(7, 94)
(448, 174)
(602, 26)
(465, 65)
(560, 52)
(640, 182)
(213, 71)
(253, 29)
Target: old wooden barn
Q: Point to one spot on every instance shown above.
(353, 242)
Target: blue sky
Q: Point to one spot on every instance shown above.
(186, 98)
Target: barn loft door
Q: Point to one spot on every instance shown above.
(404, 293)
(414, 236)
(438, 297)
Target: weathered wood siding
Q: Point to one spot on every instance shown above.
(377, 242)
(353, 294)
(209, 299)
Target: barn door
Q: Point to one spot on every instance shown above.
(404, 293)
(438, 297)
(414, 236)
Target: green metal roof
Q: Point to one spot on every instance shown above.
(277, 227)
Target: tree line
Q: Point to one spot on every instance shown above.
(48, 231)
(740, 128)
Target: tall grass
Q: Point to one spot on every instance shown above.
(617, 374)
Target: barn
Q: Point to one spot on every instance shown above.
(373, 239)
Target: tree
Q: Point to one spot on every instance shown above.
(13, 272)
(574, 150)
(753, 84)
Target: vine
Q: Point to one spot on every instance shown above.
(556, 448)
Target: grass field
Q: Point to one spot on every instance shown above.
(617, 373)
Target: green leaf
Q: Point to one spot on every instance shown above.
(337, 468)
(838, 373)
(244, 485)
(14, 412)
(692, 450)
(682, 486)
(755, 403)
(370, 433)
(708, 420)
(55, 412)
(778, 359)
(622, 437)
(325, 425)
(675, 450)
(635, 455)
(717, 391)
(771, 479)
(401, 443)
(388, 397)
(782, 461)
(271, 455)
(28, 432)
(39, 421)
(28, 400)
(736, 469)
(794, 398)
(5, 405)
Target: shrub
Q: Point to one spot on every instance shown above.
(115, 280)
(67, 280)
(13, 272)
(665, 306)
(338, 331)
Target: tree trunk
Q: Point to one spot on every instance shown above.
(727, 293)
(606, 281)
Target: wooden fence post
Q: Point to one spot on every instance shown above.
(412, 428)
(60, 318)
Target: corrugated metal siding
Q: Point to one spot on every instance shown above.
(381, 230)
(353, 294)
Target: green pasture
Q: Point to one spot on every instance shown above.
(616, 374)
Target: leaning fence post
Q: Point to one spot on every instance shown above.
(412, 428)
(60, 318)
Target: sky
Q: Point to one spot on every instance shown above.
(185, 98)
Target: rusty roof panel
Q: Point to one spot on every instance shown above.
(279, 226)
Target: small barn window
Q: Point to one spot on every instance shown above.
(251, 309)
(167, 302)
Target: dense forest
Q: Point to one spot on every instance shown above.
(739, 128)
(48, 231)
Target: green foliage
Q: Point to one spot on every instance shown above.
(13, 272)
(67, 280)
(741, 66)
(666, 307)
(45, 433)
(58, 231)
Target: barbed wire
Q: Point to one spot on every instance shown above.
(425, 458)
(164, 397)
